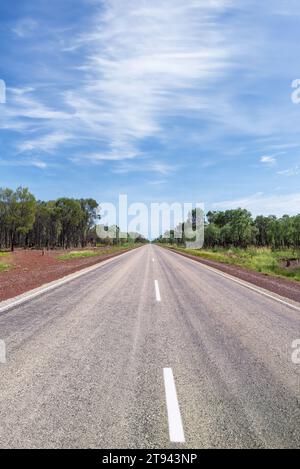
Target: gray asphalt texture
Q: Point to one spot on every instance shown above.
(85, 361)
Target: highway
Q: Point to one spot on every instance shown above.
(150, 350)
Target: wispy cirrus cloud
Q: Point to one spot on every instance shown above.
(146, 63)
(294, 171)
(160, 87)
(158, 167)
(36, 163)
(265, 204)
(45, 143)
(24, 27)
(138, 64)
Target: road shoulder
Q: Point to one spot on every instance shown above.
(280, 286)
(32, 285)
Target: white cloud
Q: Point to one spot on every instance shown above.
(112, 156)
(26, 106)
(158, 167)
(157, 182)
(290, 172)
(146, 60)
(268, 160)
(25, 27)
(39, 164)
(284, 146)
(141, 62)
(46, 143)
(26, 162)
(264, 204)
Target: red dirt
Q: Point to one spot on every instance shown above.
(283, 287)
(31, 269)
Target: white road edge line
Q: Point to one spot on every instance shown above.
(174, 418)
(157, 292)
(244, 284)
(18, 300)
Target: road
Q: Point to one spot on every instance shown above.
(150, 350)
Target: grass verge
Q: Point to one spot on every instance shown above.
(4, 254)
(4, 267)
(264, 260)
(94, 253)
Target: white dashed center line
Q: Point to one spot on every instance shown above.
(175, 423)
(157, 292)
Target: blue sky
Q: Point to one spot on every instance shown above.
(164, 100)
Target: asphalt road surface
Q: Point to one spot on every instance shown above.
(150, 350)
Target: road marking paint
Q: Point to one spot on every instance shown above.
(174, 418)
(157, 292)
(244, 284)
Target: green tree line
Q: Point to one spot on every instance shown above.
(239, 228)
(61, 223)
(27, 222)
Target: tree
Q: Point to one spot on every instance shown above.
(212, 235)
(21, 206)
(89, 216)
(71, 218)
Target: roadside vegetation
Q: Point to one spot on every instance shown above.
(63, 223)
(4, 265)
(96, 252)
(265, 260)
(265, 244)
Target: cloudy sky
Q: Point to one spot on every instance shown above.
(164, 100)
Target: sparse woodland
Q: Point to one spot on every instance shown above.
(61, 223)
(237, 228)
